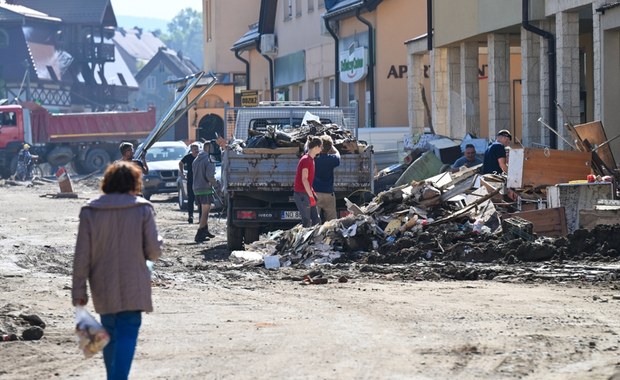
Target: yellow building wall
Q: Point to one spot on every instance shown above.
(220, 33)
(394, 22)
(213, 102)
(515, 95)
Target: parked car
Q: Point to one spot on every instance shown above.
(163, 162)
(182, 190)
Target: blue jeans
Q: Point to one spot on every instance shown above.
(309, 214)
(123, 328)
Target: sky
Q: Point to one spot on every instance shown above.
(160, 9)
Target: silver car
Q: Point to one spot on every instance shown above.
(163, 162)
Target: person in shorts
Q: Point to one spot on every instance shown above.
(204, 187)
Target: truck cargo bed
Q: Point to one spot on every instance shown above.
(276, 172)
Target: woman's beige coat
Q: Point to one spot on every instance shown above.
(116, 235)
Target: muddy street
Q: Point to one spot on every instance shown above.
(476, 308)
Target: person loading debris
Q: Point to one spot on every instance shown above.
(468, 160)
(304, 195)
(185, 165)
(495, 155)
(204, 188)
(126, 149)
(323, 184)
(116, 236)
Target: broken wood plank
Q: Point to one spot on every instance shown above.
(589, 219)
(462, 212)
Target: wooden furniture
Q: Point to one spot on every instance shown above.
(533, 167)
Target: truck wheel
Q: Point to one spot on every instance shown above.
(60, 156)
(251, 235)
(234, 235)
(96, 160)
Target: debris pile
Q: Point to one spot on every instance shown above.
(443, 218)
(271, 137)
(16, 323)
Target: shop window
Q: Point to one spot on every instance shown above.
(321, 4)
(297, 8)
(310, 6)
(317, 90)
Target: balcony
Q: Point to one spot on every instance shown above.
(95, 52)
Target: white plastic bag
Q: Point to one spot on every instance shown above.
(92, 336)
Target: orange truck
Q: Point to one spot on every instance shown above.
(89, 140)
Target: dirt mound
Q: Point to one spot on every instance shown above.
(602, 244)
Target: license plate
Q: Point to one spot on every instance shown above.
(291, 215)
(171, 184)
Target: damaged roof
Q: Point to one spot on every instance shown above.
(13, 12)
(248, 40)
(179, 66)
(97, 12)
(137, 43)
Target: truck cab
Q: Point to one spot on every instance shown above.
(13, 134)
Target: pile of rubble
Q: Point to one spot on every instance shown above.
(272, 138)
(532, 214)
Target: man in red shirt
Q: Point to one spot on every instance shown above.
(304, 195)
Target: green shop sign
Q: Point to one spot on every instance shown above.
(353, 65)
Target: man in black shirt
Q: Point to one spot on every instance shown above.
(126, 149)
(495, 155)
(186, 163)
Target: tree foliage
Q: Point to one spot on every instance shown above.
(185, 35)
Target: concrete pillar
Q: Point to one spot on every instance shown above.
(439, 90)
(456, 127)
(470, 89)
(415, 76)
(567, 40)
(499, 82)
(530, 88)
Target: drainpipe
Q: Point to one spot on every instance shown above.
(429, 24)
(371, 70)
(247, 68)
(268, 58)
(336, 60)
(553, 120)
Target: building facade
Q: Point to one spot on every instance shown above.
(341, 53)
(539, 54)
(223, 23)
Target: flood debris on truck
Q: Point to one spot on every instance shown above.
(260, 161)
